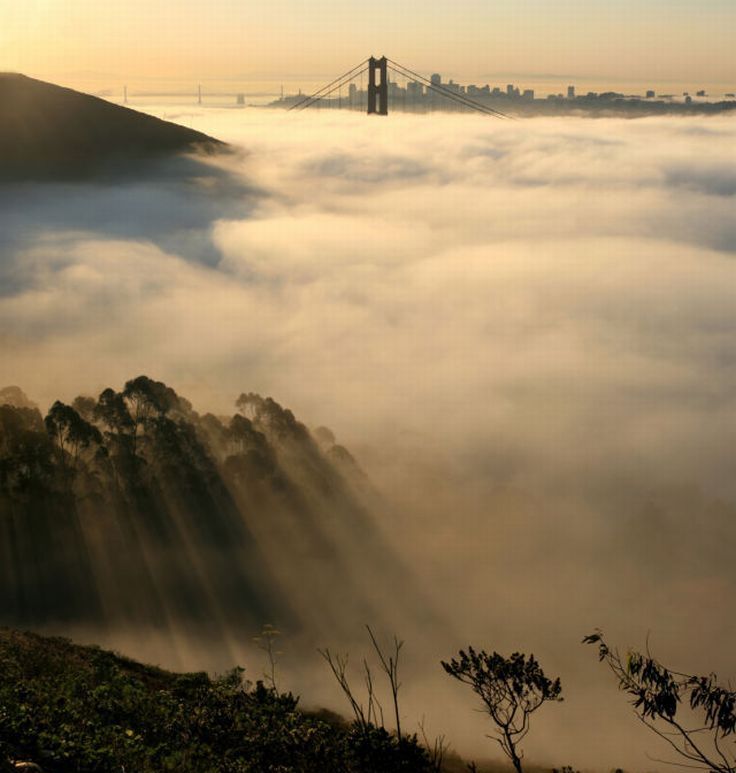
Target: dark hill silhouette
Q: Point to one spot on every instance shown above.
(73, 708)
(48, 131)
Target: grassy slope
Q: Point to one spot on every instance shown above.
(73, 708)
(77, 708)
(50, 131)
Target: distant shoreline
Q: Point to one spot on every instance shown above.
(602, 106)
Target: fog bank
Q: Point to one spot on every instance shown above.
(523, 331)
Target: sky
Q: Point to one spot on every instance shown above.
(688, 42)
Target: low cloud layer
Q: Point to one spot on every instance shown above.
(523, 329)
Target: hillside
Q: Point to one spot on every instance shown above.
(73, 708)
(150, 515)
(47, 131)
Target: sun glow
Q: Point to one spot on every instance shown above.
(72, 39)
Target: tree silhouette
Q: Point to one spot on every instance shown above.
(71, 433)
(511, 689)
(661, 696)
(112, 411)
(267, 415)
(26, 453)
(149, 398)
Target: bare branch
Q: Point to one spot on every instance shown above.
(390, 666)
(338, 665)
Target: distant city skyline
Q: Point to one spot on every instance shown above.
(182, 90)
(595, 42)
(407, 91)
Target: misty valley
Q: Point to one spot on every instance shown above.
(334, 443)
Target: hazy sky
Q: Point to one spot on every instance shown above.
(688, 41)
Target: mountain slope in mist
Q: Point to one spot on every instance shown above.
(131, 509)
(48, 131)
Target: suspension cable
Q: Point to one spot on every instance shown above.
(451, 95)
(456, 96)
(403, 72)
(446, 92)
(339, 84)
(439, 88)
(317, 94)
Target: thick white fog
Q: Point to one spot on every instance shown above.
(524, 330)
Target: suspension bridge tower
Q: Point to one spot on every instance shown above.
(378, 86)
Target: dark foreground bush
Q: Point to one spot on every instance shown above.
(79, 709)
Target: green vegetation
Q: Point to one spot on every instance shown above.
(72, 708)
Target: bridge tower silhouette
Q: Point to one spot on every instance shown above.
(377, 94)
(378, 91)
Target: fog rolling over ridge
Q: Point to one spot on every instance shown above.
(522, 331)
